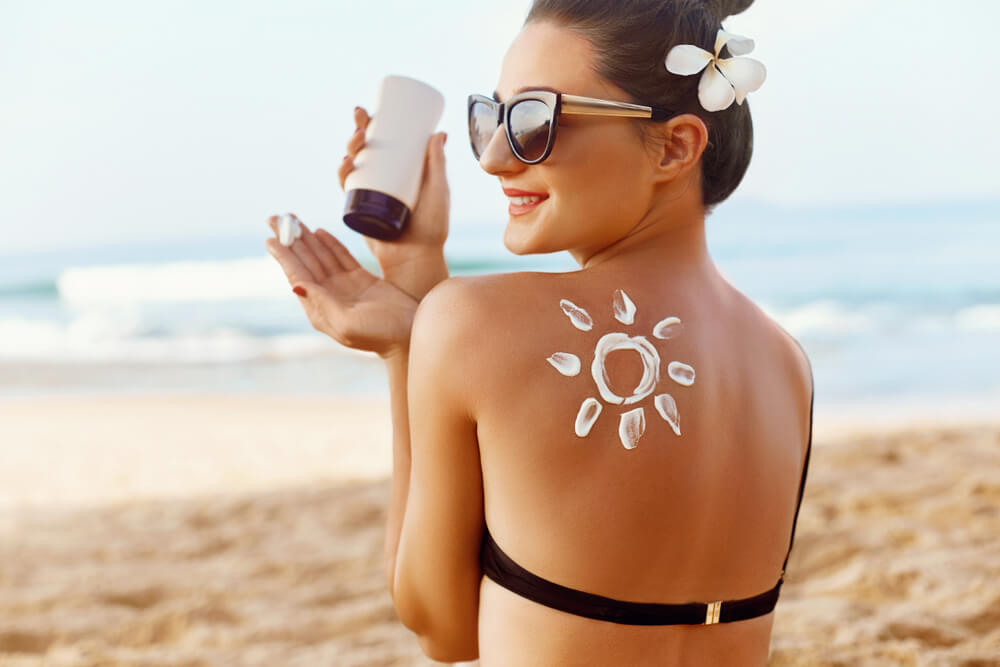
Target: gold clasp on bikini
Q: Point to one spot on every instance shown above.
(712, 611)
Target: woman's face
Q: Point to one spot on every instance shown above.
(598, 177)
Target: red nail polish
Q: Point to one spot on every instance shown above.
(298, 289)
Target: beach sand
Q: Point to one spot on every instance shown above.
(205, 530)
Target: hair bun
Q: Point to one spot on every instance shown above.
(726, 8)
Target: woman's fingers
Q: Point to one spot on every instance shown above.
(361, 117)
(308, 257)
(272, 222)
(313, 256)
(344, 257)
(346, 166)
(293, 267)
(354, 144)
(322, 253)
(313, 261)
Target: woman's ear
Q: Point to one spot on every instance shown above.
(682, 140)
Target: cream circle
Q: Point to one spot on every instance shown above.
(650, 362)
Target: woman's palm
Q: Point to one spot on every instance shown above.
(343, 299)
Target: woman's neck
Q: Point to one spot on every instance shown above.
(674, 239)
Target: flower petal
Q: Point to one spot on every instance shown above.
(667, 328)
(714, 90)
(578, 316)
(631, 427)
(681, 373)
(624, 308)
(566, 363)
(746, 75)
(667, 407)
(590, 410)
(738, 44)
(685, 59)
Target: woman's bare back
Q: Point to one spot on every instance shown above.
(702, 516)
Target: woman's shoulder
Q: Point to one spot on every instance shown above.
(463, 310)
(791, 350)
(786, 351)
(473, 299)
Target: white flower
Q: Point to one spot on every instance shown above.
(725, 79)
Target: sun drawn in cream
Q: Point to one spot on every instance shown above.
(632, 423)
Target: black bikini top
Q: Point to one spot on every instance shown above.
(499, 567)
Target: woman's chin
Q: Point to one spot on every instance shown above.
(518, 242)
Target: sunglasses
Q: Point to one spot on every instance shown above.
(530, 119)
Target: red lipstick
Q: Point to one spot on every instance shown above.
(517, 208)
(514, 192)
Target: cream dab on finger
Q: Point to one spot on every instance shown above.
(289, 229)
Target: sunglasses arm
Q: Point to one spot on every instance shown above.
(589, 106)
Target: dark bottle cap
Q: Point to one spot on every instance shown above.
(375, 214)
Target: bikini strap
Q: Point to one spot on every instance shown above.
(502, 569)
(805, 465)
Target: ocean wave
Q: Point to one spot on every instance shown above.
(242, 309)
(38, 289)
(98, 338)
(249, 278)
(829, 318)
(983, 317)
(265, 329)
(826, 316)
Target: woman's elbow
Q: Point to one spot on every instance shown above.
(446, 624)
(442, 643)
(449, 649)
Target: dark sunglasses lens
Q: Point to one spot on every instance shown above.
(482, 125)
(530, 121)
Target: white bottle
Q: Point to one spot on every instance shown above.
(383, 186)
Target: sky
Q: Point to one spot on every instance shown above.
(147, 121)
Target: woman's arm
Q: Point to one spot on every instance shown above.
(417, 278)
(435, 522)
(418, 274)
(396, 367)
(435, 517)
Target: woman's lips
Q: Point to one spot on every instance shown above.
(522, 209)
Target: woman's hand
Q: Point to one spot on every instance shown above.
(341, 298)
(414, 262)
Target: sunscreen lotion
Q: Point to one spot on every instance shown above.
(382, 188)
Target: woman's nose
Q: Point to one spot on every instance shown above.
(497, 157)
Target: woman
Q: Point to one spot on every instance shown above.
(637, 430)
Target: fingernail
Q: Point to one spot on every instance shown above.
(444, 140)
(298, 289)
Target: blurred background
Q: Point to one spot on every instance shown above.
(190, 474)
(143, 146)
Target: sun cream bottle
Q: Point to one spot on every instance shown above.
(382, 189)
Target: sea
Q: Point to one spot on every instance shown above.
(895, 305)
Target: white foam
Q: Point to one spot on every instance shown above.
(983, 317)
(825, 316)
(94, 337)
(253, 277)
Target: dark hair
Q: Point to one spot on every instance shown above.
(631, 39)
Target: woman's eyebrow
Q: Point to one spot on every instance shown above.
(496, 95)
